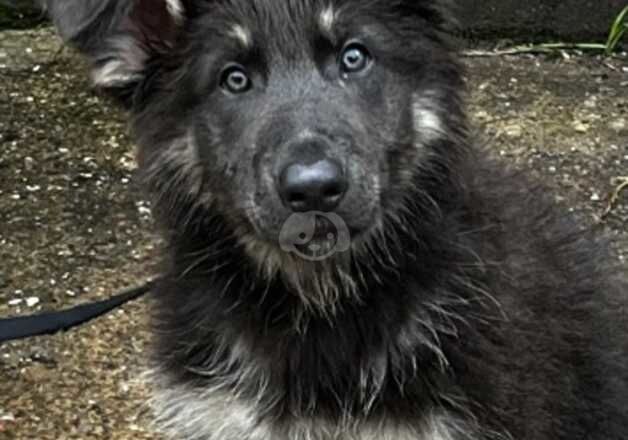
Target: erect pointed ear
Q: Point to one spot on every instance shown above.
(118, 36)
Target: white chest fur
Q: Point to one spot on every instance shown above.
(185, 414)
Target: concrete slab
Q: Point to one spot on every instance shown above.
(567, 19)
(528, 20)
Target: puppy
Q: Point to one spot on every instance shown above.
(343, 262)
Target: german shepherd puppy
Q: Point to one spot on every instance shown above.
(343, 262)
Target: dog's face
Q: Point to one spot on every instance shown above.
(298, 111)
(263, 109)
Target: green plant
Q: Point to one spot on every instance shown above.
(617, 31)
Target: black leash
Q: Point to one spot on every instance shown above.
(49, 323)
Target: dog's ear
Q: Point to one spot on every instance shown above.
(119, 37)
(449, 12)
(443, 14)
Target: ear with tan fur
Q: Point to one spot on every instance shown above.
(119, 37)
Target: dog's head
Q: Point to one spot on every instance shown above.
(342, 113)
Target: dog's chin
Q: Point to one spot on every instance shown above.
(306, 241)
(318, 251)
(317, 270)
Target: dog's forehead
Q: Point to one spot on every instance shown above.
(277, 20)
(279, 10)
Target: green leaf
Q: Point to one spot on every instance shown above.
(617, 31)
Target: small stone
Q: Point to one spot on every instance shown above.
(143, 210)
(32, 301)
(591, 102)
(7, 417)
(618, 124)
(514, 131)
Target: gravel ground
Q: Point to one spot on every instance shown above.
(74, 227)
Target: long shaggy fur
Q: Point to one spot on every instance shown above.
(468, 307)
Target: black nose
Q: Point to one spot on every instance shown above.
(319, 186)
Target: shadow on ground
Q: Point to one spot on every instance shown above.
(74, 227)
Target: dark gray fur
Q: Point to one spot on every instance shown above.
(469, 306)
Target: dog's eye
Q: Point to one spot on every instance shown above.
(235, 80)
(354, 58)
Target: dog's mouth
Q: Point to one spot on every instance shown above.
(322, 243)
(308, 235)
(314, 235)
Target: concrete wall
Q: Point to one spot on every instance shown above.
(527, 19)
(19, 14)
(571, 19)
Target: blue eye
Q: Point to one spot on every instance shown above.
(354, 58)
(235, 80)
